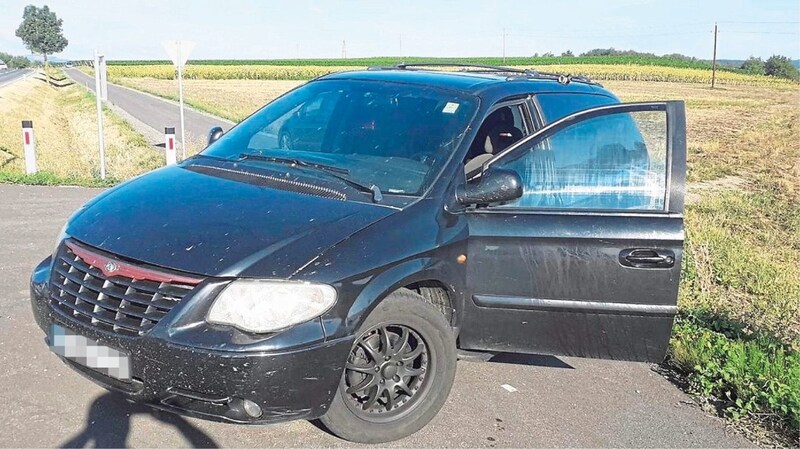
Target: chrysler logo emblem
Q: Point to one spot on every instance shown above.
(111, 267)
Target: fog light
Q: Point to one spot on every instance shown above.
(251, 408)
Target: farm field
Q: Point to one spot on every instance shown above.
(641, 59)
(595, 71)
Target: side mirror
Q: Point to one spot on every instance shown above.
(214, 135)
(494, 186)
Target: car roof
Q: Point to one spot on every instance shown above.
(489, 86)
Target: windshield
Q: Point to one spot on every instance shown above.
(393, 136)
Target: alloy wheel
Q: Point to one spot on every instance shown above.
(386, 371)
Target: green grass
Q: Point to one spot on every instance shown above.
(748, 375)
(49, 179)
(392, 60)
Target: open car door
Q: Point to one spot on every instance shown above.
(587, 262)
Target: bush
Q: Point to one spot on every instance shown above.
(753, 66)
(781, 67)
(19, 62)
(755, 376)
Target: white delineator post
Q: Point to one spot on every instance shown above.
(99, 65)
(29, 147)
(180, 97)
(169, 146)
(178, 52)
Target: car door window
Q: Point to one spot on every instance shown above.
(610, 162)
(554, 106)
(502, 128)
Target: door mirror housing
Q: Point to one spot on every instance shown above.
(214, 134)
(494, 186)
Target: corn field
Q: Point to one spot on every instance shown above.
(596, 72)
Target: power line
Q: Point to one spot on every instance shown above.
(795, 33)
(768, 23)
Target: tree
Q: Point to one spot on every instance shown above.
(753, 66)
(567, 54)
(19, 62)
(41, 33)
(5, 57)
(780, 66)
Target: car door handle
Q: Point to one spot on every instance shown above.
(647, 258)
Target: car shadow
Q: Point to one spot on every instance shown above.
(547, 361)
(108, 423)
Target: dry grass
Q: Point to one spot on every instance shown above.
(65, 129)
(231, 99)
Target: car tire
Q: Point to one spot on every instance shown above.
(385, 411)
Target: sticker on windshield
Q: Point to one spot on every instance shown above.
(450, 108)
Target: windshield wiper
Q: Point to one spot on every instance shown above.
(293, 161)
(336, 172)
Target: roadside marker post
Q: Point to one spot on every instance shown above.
(99, 66)
(178, 52)
(29, 147)
(169, 146)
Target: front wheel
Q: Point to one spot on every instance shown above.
(398, 374)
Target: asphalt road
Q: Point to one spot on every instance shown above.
(9, 76)
(564, 402)
(155, 112)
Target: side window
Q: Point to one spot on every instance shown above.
(556, 106)
(501, 129)
(615, 161)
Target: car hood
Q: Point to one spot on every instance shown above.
(210, 225)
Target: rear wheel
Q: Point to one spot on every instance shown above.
(398, 374)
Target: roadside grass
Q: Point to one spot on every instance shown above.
(43, 178)
(65, 131)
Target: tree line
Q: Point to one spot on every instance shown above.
(15, 62)
(778, 66)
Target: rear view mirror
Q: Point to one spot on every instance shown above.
(494, 186)
(214, 134)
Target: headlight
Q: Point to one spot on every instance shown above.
(268, 306)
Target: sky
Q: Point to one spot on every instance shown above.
(253, 29)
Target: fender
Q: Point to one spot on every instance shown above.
(428, 267)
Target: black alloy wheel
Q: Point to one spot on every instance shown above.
(385, 373)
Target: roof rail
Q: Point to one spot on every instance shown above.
(481, 68)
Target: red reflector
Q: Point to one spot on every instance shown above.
(27, 138)
(171, 144)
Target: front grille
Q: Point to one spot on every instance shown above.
(121, 304)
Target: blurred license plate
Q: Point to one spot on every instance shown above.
(89, 353)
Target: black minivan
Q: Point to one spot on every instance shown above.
(332, 255)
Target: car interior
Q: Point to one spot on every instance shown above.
(500, 130)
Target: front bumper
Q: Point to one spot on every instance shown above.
(210, 383)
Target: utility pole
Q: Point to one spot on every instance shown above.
(504, 45)
(401, 45)
(714, 61)
(344, 49)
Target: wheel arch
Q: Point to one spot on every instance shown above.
(428, 277)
